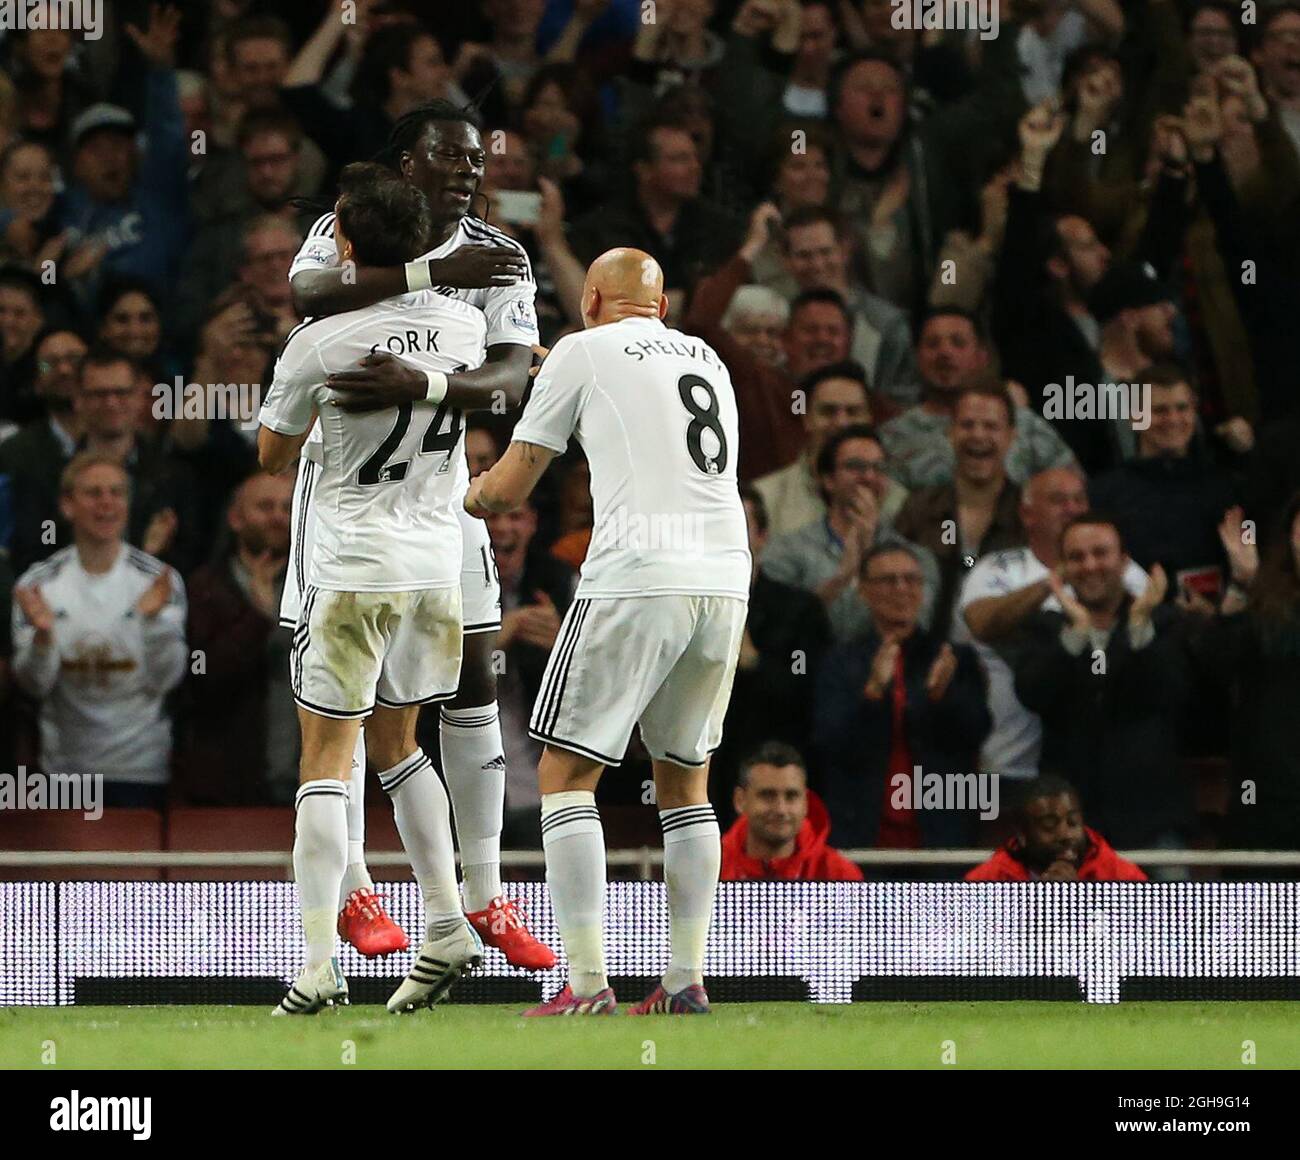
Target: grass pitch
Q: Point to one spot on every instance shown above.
(758, 1035)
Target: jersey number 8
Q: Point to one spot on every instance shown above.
(703, 419)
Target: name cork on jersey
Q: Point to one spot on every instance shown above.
(385, 485)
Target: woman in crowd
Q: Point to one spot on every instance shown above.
(130, 322)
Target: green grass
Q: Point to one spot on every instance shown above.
(782, 1035)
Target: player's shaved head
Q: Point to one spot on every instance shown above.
(626, 273)
(623, 283)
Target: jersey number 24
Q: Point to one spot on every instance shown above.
(378, 469)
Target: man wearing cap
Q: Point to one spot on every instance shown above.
(132, 197)
(1136, 317)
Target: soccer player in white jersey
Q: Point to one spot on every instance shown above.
(438, 149)
(380, 628)
(655, 628)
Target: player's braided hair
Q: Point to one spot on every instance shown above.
(408, 127)
(402, 137)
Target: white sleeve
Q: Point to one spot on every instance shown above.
(318, 249)
(35, 669)
(290, 404)
(164, 641)
(551, 415)
(985, 579)
(511, 312)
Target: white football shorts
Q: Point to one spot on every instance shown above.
(355, 650)
(480, 585)
(665, 662)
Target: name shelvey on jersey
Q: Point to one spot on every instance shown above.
(390, 480)
(655, 413)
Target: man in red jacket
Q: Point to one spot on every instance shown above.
(1054, 844)
(782, 828)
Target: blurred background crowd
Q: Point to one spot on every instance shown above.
(918, 251)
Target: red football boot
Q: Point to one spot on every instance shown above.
(501, 925)
(567, 1003)
(364, 923)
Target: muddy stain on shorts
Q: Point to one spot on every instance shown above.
(351, 638)
(439, 623)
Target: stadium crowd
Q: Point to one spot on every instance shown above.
(935, 265)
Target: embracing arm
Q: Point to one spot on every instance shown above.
(497, 385)
(334, 289)
(509, 481)
(384, 380)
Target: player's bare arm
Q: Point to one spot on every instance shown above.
(384, 380)
(334, 289)
(443, 158)
(510, 481)
(277, 452)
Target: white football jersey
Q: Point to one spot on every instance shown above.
(654, 411)
(389, 481)
(510, 316)
(102, 683)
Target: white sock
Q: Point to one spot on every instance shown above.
(574, 844)
(692, 861)
(356, 876)
(320, 851)
(474, 764)
(424, 821)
